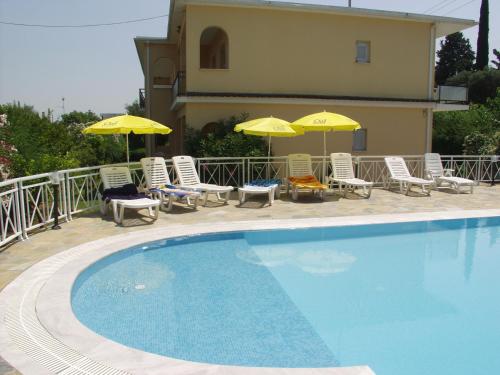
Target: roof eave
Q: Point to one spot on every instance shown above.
(445, 25)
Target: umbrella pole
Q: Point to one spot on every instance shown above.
(324, 157)
(128, 158)
(268, 156)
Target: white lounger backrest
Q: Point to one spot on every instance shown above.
(342, 166)
(186, 171)
(115, 176)
(433, 164)
(299, 165)
(155, 172)
(397, 167)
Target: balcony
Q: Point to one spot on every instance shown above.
(179, 85)
(451, 94)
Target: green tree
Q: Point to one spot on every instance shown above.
(135, 109)
(482, 84)
(454, 56)
(42, 145)
(223, 141)
(76, 117)
(456, 132)
(483, 48)
(497, 56)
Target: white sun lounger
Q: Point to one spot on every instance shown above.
(252, 189)
(343, 175)
(113, 177)
(399, 173)
(159, 185)
(189, 180)
(434, 170)
(300, 166)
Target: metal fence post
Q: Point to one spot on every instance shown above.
(68, 197)
(19, 227)
(23, 211)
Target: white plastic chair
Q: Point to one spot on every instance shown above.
(113, 177)
(159, 185)
(434, 170)
(300, 165)
(400, 174)
(189, 179)
(343, 175)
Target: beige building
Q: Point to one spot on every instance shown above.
(226, 57)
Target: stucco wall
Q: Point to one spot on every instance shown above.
(278, 51)
(390, 130)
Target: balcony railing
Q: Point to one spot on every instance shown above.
(179, 86)
(27, 203)
(142, 98)
(452, 94)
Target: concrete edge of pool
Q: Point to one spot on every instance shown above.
(39, 334)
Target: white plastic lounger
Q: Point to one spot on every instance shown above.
(343, 175)
(189, 179)
(116, 177)
(159, 185)
(253, 189)
(301, 176)
(434, 170)
(399, 173)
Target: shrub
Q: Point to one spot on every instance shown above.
(224, 141)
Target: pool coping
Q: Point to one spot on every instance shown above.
(44, 290)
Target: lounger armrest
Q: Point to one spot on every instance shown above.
(448, 172)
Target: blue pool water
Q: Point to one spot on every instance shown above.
(406, 299)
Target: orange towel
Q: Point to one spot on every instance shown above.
(307, 182)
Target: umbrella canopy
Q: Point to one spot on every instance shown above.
(269, 127)
(127, 124)
(326, 122)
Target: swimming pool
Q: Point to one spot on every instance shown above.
(409, 298)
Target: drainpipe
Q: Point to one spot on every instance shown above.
(148, 138)
(430, 91)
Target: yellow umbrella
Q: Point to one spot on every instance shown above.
(127, 124)
(269, 127)
(325, 122)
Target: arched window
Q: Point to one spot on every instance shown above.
(214, 49)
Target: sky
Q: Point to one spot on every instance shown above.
(98, 69)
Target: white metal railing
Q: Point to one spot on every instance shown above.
(27, 203)
(452, 94)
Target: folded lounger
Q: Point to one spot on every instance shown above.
(301, 176)
(189, 180)
(343, 175)
(159, 185)
(121, 193)
(434, 170)
(266, 182)
(270, 190)
(399, 173)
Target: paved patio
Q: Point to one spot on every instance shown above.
(90, 226)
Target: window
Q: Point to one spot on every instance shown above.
(214, 49)
(359, 140)
(362, 52)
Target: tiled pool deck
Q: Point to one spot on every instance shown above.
(20, 256)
